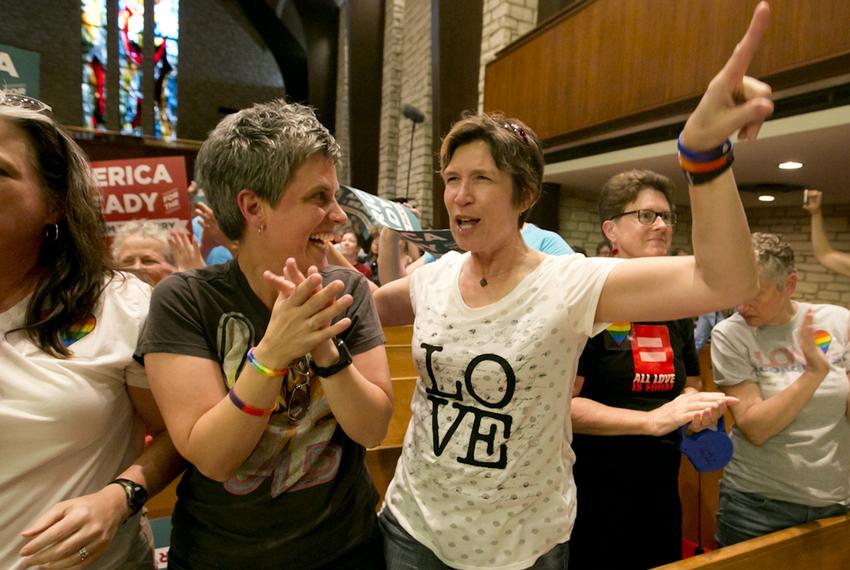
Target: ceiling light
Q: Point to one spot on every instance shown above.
(790, 165)
(766, 198)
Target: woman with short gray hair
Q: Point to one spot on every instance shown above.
(787, 363)
(274, 385)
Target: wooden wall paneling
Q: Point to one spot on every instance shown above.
(615, 63)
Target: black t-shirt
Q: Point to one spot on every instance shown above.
(303, 496)
(637, 366)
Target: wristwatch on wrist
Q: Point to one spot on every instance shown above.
(342, 362)
(137, 495)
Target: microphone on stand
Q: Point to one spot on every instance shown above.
(413, 114)
(416, 116)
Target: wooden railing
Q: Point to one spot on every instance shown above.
(818, 545)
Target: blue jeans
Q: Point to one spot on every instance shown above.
(403, 552)
(742, 516)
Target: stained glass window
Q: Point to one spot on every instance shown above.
(94, 63)
(131, 26)
(166, 31)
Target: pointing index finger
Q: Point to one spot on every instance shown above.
(736, 68)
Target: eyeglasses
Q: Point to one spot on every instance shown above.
(648, 217)
(26, 102)
(517, 130)
(297, 394)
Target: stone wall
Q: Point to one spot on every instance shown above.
(407, 80)
(579, 225)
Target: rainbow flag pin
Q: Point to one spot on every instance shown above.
(619, 331)
(78, 331)
(822, 339)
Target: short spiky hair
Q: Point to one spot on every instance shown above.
(775, 257)
(258, 149)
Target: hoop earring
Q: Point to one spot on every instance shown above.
(51, 232)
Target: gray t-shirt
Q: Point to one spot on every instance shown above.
(809, 461)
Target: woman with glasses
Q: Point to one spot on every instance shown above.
(272, 385)
(74, 403)
(637, 383)
(485, 475)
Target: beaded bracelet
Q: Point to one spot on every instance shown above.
(265, 370)
(250, 410)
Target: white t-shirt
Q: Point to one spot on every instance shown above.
(67, 426)
(485, 475)
(809, 461)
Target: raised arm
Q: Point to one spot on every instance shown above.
(827, 255)
(390, 264)
(722, 272)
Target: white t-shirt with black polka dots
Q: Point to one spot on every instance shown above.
(485, 475)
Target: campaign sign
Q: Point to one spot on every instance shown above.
(143, 189)
(19, 70)
(366, 209)
(435, 242)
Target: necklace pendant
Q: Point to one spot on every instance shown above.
(483, 282)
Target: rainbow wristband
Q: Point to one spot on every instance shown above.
(264, 370)
(250, 410)
(704, 156)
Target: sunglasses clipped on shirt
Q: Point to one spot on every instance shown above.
(648, 217)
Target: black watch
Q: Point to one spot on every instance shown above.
(137, 495)
(343, 361)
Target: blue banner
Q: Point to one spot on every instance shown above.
(368, 210)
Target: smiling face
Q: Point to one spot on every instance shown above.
(24, 208)
(145, 255)
(633, 239)
(478, 197)
(304, 218)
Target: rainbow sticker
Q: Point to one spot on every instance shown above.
(619, 331)
(822, 339)
(78, 331)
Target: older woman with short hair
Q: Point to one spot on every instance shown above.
(141, 246)
(788, 364)
(484, 478)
